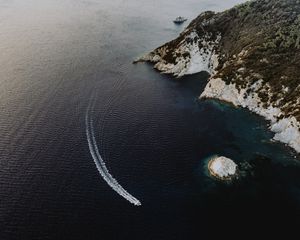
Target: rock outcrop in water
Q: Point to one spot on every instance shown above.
(252, 52)
(222, 168)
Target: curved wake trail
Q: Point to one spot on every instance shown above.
(100, 164)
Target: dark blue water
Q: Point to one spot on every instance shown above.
(152, 131)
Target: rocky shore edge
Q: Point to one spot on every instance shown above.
(246, 64)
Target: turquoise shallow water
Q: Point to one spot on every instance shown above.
(252, 135)
(152, 131)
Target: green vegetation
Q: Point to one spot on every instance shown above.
(244, 9)
(270, 31)
(285, 36)
(262, 37)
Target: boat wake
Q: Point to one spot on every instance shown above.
(100, 164)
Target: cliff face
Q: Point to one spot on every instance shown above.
(252, 52)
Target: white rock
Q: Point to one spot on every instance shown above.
(205, 59)
(222, 167)
(198, 59)
(286, 130)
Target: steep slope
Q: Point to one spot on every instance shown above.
(252, 52)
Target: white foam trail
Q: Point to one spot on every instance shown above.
(100, 164)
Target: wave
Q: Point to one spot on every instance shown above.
(100, 164)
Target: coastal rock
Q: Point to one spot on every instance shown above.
(252, 53)
(286, 129)
(222, 168)
(192, 55)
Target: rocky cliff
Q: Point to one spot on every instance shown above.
(252, 52)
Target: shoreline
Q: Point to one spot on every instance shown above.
(247, 70)
(286, 129)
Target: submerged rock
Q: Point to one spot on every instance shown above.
(222, 168)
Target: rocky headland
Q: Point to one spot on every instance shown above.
(252, 53)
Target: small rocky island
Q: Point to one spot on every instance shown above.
(222, 168)
(252, 53)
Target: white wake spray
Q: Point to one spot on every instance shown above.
(100, 164)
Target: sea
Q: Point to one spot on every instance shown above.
(84, 133)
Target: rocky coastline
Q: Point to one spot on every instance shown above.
(252, 53)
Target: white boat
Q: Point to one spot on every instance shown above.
(179, 20)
